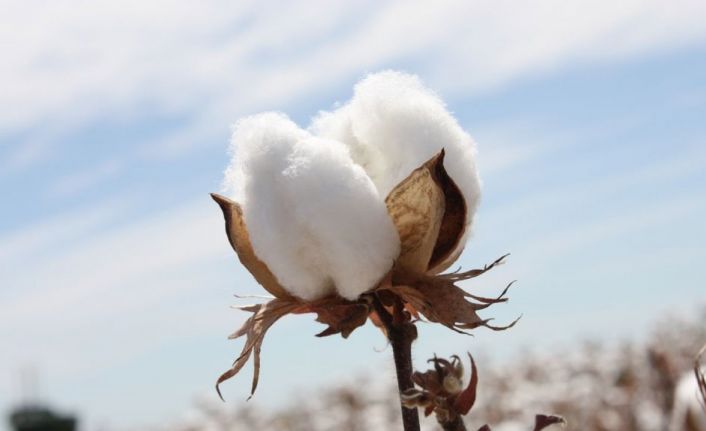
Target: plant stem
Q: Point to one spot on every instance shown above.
(401, 333)
(454, 425)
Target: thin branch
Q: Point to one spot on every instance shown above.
(401, 333)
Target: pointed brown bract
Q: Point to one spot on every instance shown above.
(465, 400)
(240, 241)
(438, 299)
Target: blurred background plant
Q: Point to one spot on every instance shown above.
(645, 385)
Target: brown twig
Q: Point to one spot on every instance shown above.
(454, 425)
(401, 332)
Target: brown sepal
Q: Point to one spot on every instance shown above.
(341, 316)
(465, 400)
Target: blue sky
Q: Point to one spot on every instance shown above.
(115, 274)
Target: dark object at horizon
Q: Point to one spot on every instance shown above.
(36, 418)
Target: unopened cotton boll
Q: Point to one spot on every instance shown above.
(314, 216)
(393, 124)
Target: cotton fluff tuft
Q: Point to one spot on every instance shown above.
(314, 216)
(393, 124)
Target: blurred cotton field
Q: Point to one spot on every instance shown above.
(630, 386)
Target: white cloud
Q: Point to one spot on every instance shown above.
(67, 63)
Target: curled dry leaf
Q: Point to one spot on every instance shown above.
(254, 329)
(341, 316)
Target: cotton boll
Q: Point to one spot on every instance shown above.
(393, 124)
(313, 215)
(259, 147)
(337, 125)
(343, 213)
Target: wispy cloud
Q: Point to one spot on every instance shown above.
(36, 239)
(216, 61)
(77, 182)
(71, 290)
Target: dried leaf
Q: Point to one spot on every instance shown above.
(341, 316)
(465, 400)
(416, 206)
(254, 329)
(240, 241)
(543, 421)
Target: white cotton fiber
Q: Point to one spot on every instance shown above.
(393, 124)
(314, 216)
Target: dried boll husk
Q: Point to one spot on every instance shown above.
(429, 213)
(239, 239)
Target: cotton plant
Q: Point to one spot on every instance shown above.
(356, 217)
